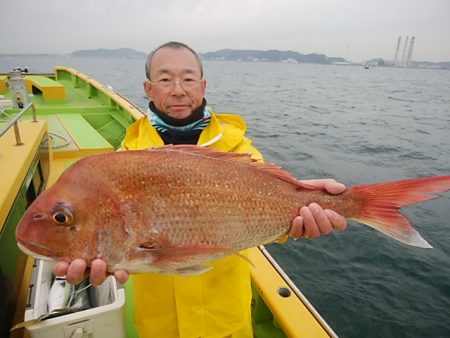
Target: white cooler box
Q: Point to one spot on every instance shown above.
(103, 321)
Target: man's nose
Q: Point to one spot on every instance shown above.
(178, 88)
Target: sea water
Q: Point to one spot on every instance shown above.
(356, 125)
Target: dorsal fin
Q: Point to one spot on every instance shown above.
(244, 158)
(207, 152)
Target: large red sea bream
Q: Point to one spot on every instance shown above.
(171, 209)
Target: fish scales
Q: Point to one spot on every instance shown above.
(235, 197)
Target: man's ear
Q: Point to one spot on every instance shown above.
(204, 87)
(148, 89)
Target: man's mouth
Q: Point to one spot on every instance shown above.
(178, 106)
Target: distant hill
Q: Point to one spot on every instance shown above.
(427, 64)
(119, 53)
(270, 55)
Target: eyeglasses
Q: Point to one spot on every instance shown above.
(186, 83)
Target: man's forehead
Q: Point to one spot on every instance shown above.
(171, 60)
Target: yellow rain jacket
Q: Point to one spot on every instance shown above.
(215, 303)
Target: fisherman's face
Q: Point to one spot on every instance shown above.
(176, 86)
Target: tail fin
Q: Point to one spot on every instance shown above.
(381, 202)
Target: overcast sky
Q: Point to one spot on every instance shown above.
(354, 29)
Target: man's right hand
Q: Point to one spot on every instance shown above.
(77, 270)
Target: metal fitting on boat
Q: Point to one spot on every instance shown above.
(284, 292)
(17, 88)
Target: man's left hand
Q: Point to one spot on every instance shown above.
(314, 221)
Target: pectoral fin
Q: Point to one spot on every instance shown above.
(185, 252)
(192, 270)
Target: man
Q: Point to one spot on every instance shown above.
(215, 303)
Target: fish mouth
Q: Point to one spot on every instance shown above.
(29, 252)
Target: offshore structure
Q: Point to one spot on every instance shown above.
(405, 60)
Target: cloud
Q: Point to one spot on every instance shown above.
(351, 28)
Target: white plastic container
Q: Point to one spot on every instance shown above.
(103, 321)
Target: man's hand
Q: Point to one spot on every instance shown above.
(77, 270)
(313, 221)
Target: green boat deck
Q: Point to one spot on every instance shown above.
(83, 106)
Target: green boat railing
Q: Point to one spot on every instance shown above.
(13, 123)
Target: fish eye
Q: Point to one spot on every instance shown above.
(63, 217)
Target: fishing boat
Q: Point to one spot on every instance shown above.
(49, 121)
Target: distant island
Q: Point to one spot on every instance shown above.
(273, 55)
(242, 55)
(223, 54)
(118, 53)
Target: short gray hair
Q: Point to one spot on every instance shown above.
(173, 45)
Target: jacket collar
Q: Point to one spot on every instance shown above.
(224, 132)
